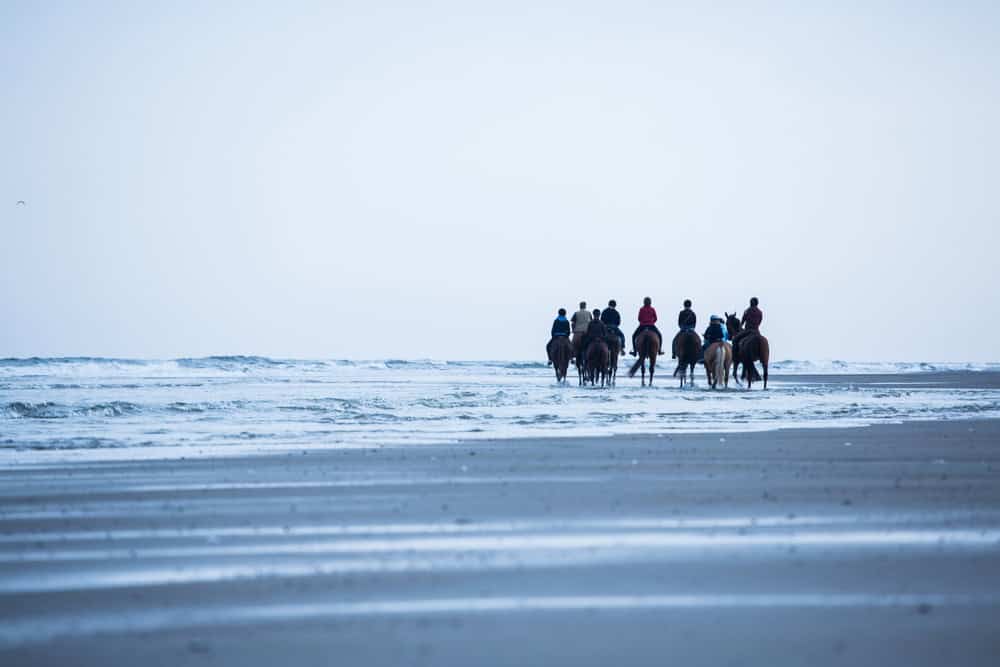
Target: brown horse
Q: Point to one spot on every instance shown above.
(752, 347)
(562, 352)
(614, 351)
(718, 356)
(598, 358)
(578, 356)
(687, 344)
(647, 345)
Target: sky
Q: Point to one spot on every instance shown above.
(369, 180)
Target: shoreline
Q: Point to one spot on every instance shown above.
(13, 457)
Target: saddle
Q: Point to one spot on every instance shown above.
(742, 337)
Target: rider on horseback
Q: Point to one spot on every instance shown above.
(580, 321)
(752, 318)
(613, 319)
(686, 321)
(715, 333)
(647, 320)
(596, 331)
(560, 327)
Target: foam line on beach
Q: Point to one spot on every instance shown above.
(66, 580)
(340, 483)
(446, 554)
(33, 630)
(464, 527)
(522, 542)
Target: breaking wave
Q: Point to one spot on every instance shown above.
(50, 410)
(212, 404)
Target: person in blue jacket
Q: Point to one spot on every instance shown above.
(715, 333)
(560, 327)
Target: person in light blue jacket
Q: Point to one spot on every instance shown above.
(715, 333)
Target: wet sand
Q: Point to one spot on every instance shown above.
(877, 545)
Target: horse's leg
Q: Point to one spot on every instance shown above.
(652, 368)
(765, 356)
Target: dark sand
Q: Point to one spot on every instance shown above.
(786, 547)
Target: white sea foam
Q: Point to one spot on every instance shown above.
(86, 409)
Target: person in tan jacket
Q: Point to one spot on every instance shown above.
(580, 322)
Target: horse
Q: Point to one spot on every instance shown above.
(562, 352)
(753, 347)
(578, 356)
(614, 351)
(647, 345)
(688, 344)
(718, 356)
(598, 357)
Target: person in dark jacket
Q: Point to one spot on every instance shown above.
(597, 330)
(751, 321)
(752, 316)
(715, 333)
(686, 321)
(613, 319)
(560, 327)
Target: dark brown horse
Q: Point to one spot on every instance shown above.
(752, 347)
(614, 351)
(578, 356)
(562, 352)
(598, 358)
(647, 345)
(688, 345)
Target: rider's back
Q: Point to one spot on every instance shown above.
(752, 317)
(611, 317)
(596, 329)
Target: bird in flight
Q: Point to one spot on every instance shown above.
(20, 202)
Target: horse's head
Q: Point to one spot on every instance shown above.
(732, 324)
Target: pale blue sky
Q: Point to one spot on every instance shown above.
(370, 180)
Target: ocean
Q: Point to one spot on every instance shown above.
(106, 409)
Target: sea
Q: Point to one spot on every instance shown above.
(89, 409)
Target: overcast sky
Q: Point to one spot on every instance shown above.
(369, 180)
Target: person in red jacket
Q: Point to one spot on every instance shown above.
(647, 320)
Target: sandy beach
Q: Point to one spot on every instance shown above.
(873, 545)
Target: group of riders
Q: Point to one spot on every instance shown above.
(587, 328)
